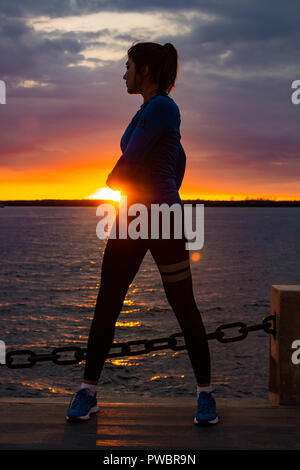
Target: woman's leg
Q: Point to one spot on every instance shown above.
(121, 261)
(179, 292)
(172, 260)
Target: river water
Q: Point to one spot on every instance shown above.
(49, 279)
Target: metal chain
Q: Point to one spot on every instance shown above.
(169, 342)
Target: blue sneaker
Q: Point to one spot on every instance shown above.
(206, 409)
(82, 404)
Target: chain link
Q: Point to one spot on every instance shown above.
(170, 342)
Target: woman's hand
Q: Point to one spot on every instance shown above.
(117, 180)
(109, 182)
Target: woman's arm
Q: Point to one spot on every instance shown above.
(159, 116)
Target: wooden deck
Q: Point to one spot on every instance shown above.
(32, 424)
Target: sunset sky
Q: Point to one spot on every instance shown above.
(67, 105)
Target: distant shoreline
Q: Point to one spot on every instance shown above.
(96, 202)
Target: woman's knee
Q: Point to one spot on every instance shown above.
(180, 291)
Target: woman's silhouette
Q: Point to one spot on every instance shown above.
(150, 171)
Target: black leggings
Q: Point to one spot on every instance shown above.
(121, 261)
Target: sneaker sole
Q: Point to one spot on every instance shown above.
(205, 422)
(83, 418)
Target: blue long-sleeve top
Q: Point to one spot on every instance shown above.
(152, 166)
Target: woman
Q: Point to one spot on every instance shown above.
(150, 171)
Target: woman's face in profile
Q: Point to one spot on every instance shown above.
(130, 77)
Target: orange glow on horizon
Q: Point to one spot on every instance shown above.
(38, 190)
(81, 179)
(37, 185)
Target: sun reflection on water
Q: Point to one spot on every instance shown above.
(158, 377)
(123, 362)
(128, 302)
(38, 386)
(128, 323)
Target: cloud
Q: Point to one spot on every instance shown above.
(65, 8)
(237, 62)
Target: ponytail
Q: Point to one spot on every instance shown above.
(168, 70)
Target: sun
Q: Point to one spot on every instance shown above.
(105, 193)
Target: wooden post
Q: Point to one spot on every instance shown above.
(284, 368)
